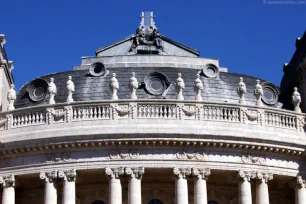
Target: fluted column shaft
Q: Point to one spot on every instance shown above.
(8, 193)
(262, 191)
(115, 188)
(69, 177)
(50, 194)
(181, 185)
(244, 187)
(134, 192)
(300, 191)
(200, 189)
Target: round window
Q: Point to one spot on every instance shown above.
(97, 69)
(270, 93)
(37, 89)
(156, 83)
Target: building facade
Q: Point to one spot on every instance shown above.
(148, 121)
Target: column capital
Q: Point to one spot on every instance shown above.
(201, 173)
(7, 181)
(67, 175)
(50, 176)
(263, 177)
(114, 172)
(300, 183)
(135, 172)
(182, 172)
(246, 175)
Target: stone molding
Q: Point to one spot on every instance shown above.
(263, 177)
(50, 176)
(135, 172)
(7, 181)
(182, 172)
(114, 172)
(68, 175)
(201, 173)
(253, 160)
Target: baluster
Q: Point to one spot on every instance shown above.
(156, 111)
(173, 111)
(99, 112)
(225, 114)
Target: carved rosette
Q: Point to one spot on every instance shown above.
(49, 176)
(263, 177)
(7, 181)
(246, 175)
(192, 156)
(300, 183)
(68, 175)
(201, 173)
(182, 172)
(114, 172)
(253, 160)
(135, 172)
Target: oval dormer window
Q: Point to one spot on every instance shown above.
(37, 89)
(156, 83)
(97, 69)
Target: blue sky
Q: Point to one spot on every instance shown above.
(247, 36)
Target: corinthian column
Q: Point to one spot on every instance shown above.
(135, 174)
(300, 191)
(262, 192)
(69, 177)
(50, 194)
(200, 190)
(114, 189)
(244, 187)
(181, 186)
(8, 193)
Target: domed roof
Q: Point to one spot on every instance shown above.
(156, 61)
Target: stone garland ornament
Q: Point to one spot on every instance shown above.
(52, 91)
(114, 172)
(135, 172)
(258, 93)
(252, 160)
(7, 181)
(241, 90)
(198, 87)
(114, 86)
(296, 100)
(67, 175)
(133, 86)
(11, 97)
(180, 86)
(127, 155)
(192, 156)
(71, 89)
(201, 173)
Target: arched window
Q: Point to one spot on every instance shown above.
(98, 202)
(212, 202)
(155, 201)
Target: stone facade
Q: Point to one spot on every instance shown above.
(155, 136)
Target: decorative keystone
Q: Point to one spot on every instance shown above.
(133, 86)
(49, 176)
(180, 86)
(296, 100)
(182, 172)
(241, 90)
(11, 97)
(71, 89)
(7, 181)
(114, 172)
(135, 172)
(198, 87)
(52, 91)
(67, 175)
(258, 93)
(200, 173)
(263, 177)
(114, 86)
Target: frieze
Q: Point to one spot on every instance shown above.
(114, 155)
(192, 156)
(253, 160)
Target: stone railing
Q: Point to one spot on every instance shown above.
(151, 109)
